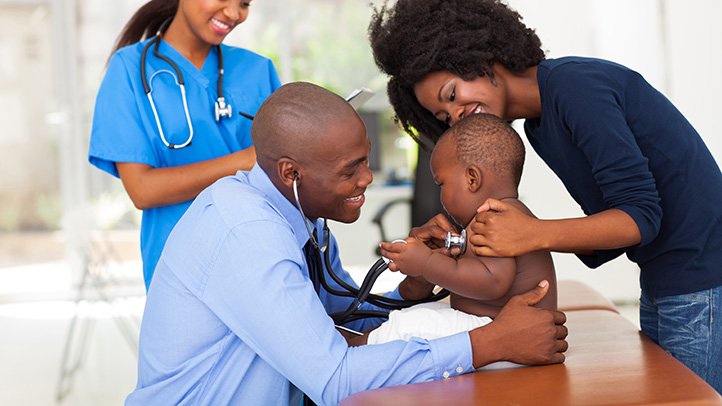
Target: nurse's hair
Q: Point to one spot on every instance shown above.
(486, 141)
(146, 22)
(413, 38)
(294, 120)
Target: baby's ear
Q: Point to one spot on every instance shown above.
(474, 178)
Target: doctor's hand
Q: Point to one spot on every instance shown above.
(502, 230)
(433, 232)
(408, 258)
(522, 333)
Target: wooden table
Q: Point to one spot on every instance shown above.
(609, 362)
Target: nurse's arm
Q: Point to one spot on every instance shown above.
(150, 187)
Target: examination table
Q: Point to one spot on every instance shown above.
(609, 362)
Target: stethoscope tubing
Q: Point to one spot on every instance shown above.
(185, 108)
(361, 294)
(221, 108)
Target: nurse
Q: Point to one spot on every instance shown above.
(167, 146)
(646, 181)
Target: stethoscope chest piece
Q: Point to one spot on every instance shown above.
(456, 241)
(222, 109)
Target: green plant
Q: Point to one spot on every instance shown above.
(9, 215)
(49, 210)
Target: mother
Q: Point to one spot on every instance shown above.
(643, 176)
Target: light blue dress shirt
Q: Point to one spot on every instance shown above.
(232, 318)
(125, 130)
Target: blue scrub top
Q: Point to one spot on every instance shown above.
(124, 128)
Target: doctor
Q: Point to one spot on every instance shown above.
(169, 115)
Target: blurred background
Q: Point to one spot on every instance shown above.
(71, 291)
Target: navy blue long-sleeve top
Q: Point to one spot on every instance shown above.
(618, 143)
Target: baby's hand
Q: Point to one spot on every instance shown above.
(407, 257)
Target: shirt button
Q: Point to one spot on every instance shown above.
(446, 374)
(459, 369)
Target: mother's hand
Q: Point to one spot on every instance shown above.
(502, 230)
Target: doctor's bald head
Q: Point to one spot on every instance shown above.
(296, 120)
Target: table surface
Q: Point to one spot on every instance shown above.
(609, 362)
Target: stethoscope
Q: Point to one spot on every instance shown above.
(222, 109)
(363, 293)
(456, 241)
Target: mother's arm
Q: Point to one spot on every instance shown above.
(502, 230)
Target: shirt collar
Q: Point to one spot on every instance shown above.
(258, 178)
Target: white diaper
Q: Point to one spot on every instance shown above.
(429, 321)
(425, 320)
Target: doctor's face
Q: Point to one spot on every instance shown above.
(333, 183)
(212, 20)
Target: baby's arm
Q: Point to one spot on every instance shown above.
(408, 258)
(481, 278)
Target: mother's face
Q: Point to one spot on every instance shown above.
(450, 98)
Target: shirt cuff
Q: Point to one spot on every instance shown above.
(648, 220)
(452, 355)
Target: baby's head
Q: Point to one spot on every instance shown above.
(480, 157)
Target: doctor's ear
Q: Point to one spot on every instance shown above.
(288, 171)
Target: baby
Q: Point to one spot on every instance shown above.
(480, 157)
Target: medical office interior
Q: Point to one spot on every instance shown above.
(71, 288)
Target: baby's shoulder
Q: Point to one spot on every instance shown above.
(519, 205)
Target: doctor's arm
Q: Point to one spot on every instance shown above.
(150, 187)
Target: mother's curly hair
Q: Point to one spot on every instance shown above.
(413, 38)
